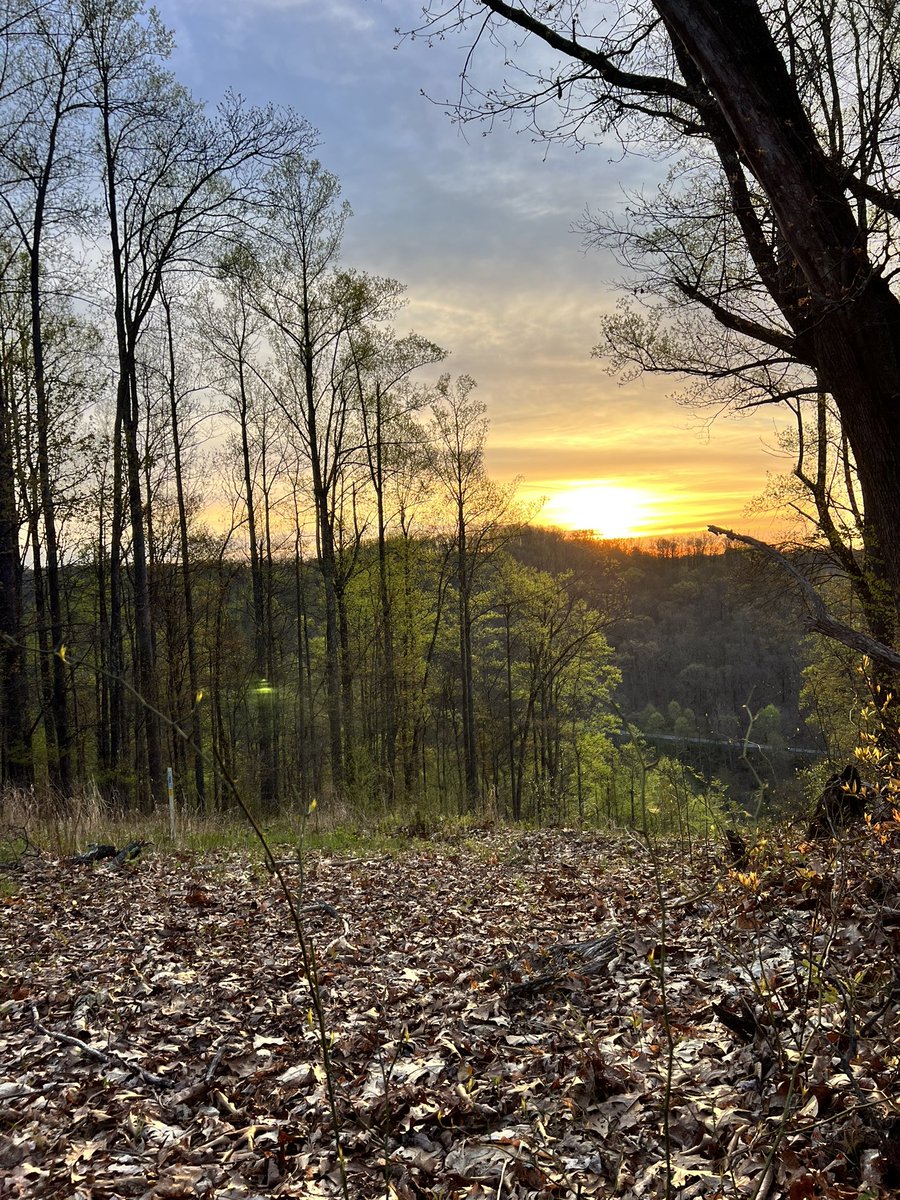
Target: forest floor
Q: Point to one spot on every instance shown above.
(519, 1014)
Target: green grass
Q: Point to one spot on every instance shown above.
(8, 887)
(63, 830)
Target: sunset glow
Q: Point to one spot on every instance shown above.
(610, 510)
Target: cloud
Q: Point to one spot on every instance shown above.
(480, 231)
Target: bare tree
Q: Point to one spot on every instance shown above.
(795, 105)
(38, 159)
(320, 316)
(482, 520)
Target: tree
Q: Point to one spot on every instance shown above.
(177, 403)
(177, 184)
(321, 317)
(390, 436)
(481, 521)
(229, 329)
(16, 758)
(45, 77)
(802, 142)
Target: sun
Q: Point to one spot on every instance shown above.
(609, 510)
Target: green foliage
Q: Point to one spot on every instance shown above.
(835, 697)
(661, 796)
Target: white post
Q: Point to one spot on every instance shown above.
(170, 781)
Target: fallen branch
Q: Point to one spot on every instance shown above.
(818, 619)
(110, 1060)
(570, 959)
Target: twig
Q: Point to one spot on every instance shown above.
(500, 1184)
(213, 1068)
(103, 1056)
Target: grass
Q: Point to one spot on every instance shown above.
(65, 829)
(8, 887)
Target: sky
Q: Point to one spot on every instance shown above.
(481, 228)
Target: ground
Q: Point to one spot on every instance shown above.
(517, 1014)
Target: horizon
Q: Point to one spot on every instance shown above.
(480, 229)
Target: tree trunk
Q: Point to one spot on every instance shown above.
(470, 751)
(849, 323)
(269, 766)
(186, 582)
(16, 761)
(60, 764)
(388, 672)
(115, 656)
(143, 621)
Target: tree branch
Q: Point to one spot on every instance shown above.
(652, 85)
(818, 620)
(103, 1056)
(739, 324)
(867, 191)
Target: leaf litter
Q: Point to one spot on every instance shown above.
(522, 1014)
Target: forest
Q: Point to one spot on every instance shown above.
(248, 534)
(360, 835)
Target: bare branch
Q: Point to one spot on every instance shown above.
(818, 619)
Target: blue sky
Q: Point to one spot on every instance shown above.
(480, 229)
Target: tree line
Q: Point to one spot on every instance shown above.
(244, 522)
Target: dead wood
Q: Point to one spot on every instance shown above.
(104, 1056)
(568, 960)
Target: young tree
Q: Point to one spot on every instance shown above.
(230, 330)
(387, 402)
(177, 402)
(320, 316)
(482, 520)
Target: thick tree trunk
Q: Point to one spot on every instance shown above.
(848, 324)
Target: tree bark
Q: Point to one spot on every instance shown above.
(16, 760)
(849, 321)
